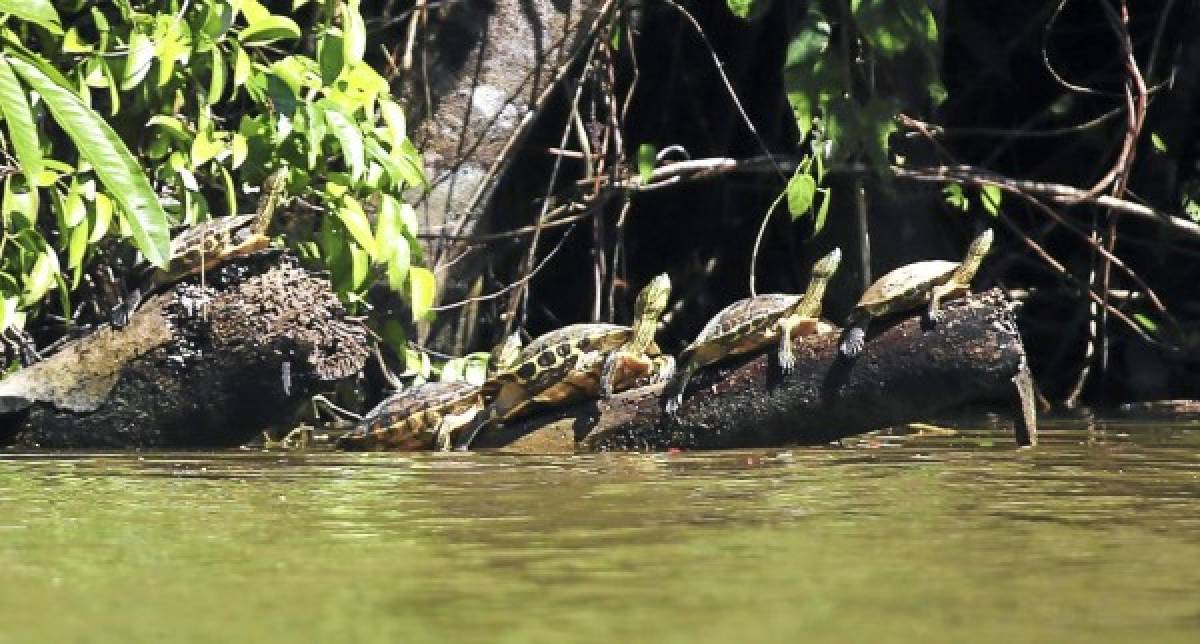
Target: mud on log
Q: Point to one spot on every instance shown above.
(197, 366)
(908, 372)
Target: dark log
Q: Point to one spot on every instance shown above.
(909, 371)
(182, 374)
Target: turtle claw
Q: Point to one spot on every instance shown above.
(671, 407)
(787, 363)
(936, 317)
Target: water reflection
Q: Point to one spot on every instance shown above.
(893, 537)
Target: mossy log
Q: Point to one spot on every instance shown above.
(909, 371)
(198, 366)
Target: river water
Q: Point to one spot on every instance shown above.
(1093, 536)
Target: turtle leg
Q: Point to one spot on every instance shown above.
(484, 418)
(664, 368)
(608, 375)
(673, 392)
(935, 300)
(854, 339)
(787, 360)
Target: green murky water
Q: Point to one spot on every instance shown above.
(1095, 536)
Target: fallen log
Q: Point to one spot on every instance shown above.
(908, 372)
(198, 366)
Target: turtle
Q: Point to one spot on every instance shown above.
(753, 323)
(210, 244)
(581, 361)
(911, 286)
(427, 415)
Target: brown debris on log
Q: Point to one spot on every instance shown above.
(182, 374)
(907, 372)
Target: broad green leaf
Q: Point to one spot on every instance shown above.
(422, 287)
(408, 215)
(72, 43)
(800, 191)
(241, 65)
(8, 310)
(393, 117)
(356, 33)
(360, 268)
(137, 61)
(748, 9)
(411, 163)
(77, 244)
(331, 55)
(350, 138)
(268, 30)
(240, 149)
(646, 158)
(19, 120)
(389, 229)
(40, 12)
(40, 277)
(352, 216)
(991, 196)
(397, 268)
(218, 20)
(205, 147)
(216, 79)
(74, 210)
(116, 168)
(390, 166)
(173, 126)
(101, 217)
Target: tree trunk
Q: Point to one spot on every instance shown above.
(197, 366)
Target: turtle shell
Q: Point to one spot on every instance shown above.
(561, 366)
(409, 419)
(906, 287)
(212, 242)
(744, 325)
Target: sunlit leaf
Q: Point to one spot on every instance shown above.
(422, 287)
(990, 196)
(350, 138)
(268, 30)
(138, 60)
(19, 120)
(40, 12)
(216, 79)
(822, 210)
(646, 158)
(356, 33)
(800, 192)
(352, 216)
(121, 174)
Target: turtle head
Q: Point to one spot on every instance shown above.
(651, 304)
(827, 265)
(274, 190)
(652, 301)
(975, 253)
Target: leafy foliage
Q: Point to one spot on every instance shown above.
(129, 118)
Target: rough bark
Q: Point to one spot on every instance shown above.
(182, 374)
(484, 71)
(908, 372)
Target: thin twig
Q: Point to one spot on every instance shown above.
(762, 229)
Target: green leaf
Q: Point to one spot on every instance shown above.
(21, 129)
(356, 33)
(216, 79)
(268, 30)
(1146, 322)
(100, 218)
(350, 138)
(748, 9)
(40, 278)
(800, 191)
(389, 229)
(647, 156)
(241, 65)
(40, 12)
(954, 195)
(137, 61)
(77, 244)
(116, 168)
(1160, 146)
(352, 216)
(422, 287)
(393, 116)
(991, 196)
(397, 268)
(331, 55)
